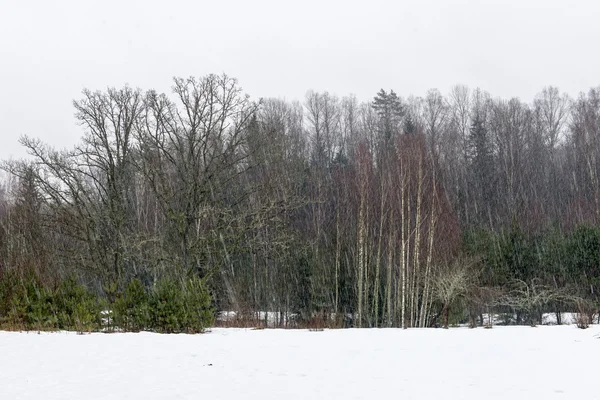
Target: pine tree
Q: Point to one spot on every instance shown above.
(390, 110)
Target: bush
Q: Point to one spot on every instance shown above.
(585, 314)
(198, 311)
(77, 308)
(181, 308)
(40, 309)
(13, 307)
(167, 307)
(131, 310)
(26, 304)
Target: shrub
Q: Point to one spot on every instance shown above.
(131, 310)
(77, 309)
(26, 304)
(197, 302)
(181, 308)
(13, 307)
(40, 307)
(585, 314)
(167, 307)
(86, 315)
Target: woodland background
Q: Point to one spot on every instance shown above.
(398, 212)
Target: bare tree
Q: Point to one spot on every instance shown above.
(191, 149)
(451, 284)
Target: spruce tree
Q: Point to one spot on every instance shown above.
(482, 165)
(410, 128)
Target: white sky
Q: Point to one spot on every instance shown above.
(51, 50)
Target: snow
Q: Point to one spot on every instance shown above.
(272, 318)
(567, 318)
(275, 320)
(547, 362)
(547, 319)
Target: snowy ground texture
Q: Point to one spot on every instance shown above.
(547, 362)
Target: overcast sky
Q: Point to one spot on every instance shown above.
(51, 50)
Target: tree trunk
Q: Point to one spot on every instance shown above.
(417, 246)
(378, 260)
(403, 263)
(425, 305)
(446, 316)
(338, 247)
(361, 262)
(388, 291)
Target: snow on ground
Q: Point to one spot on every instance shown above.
(547, 319)
(275, 319)
(567, 318)
(550, 362)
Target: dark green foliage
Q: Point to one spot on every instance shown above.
(167, 305)
(12, 301)
(199, 314)
(505, 256)
(482, 166)
(131, 310)
(389, 108)
(516, 255)
(26, 304)
(583, 250)
(77, 308)
(551, 246)
(410, 128)
(180, 308)
(41, 308)
(552, 271)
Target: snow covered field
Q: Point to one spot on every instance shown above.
(554, 362)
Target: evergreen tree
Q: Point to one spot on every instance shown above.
(482, 166)
(410, 128)
(390, 110)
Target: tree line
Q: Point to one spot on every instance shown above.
(397, 212)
